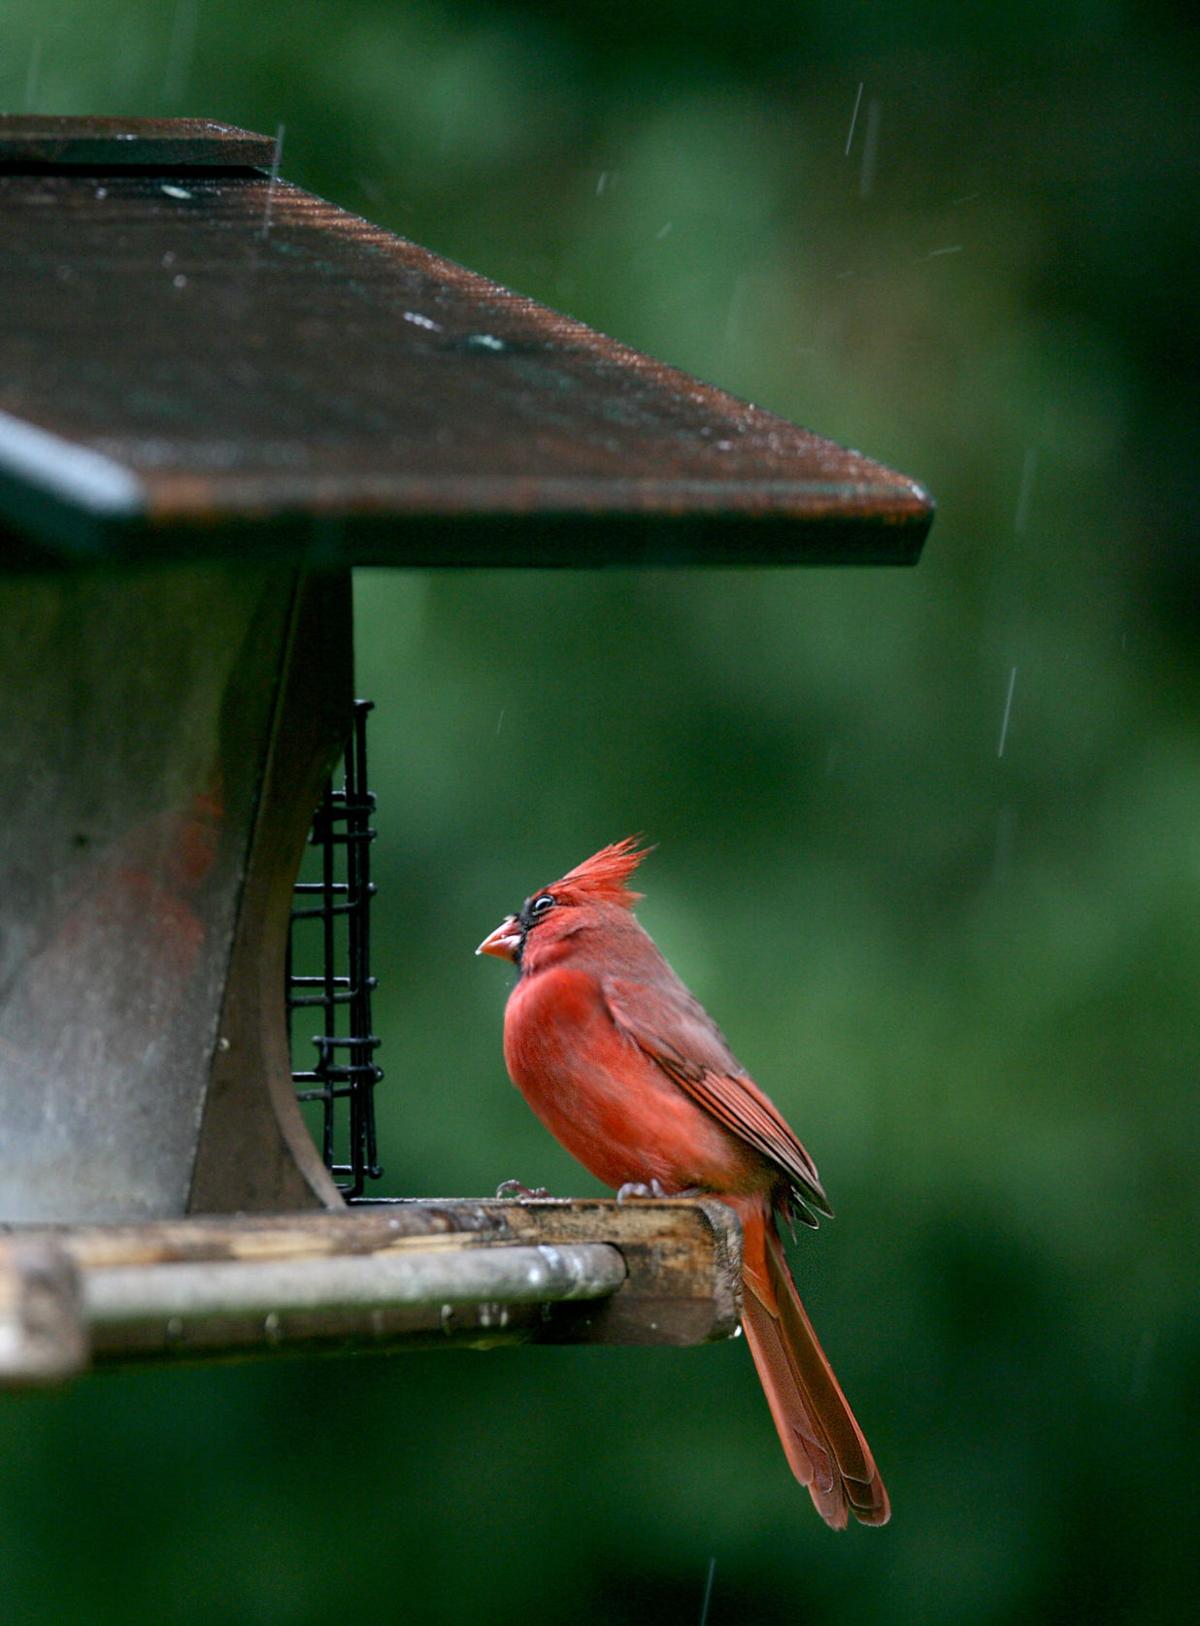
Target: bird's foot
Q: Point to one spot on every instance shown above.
(514, 1188)
(639, 1188)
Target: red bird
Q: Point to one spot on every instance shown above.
(630, 1073)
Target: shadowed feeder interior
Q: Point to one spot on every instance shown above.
(218, 394)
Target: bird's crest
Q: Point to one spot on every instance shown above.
(602, 878)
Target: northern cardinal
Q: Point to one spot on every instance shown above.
(625, 1067)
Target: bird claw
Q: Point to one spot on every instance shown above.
(639, 1188)
(514, 1188)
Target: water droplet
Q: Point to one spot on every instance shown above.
(1012, 683)
(272, 182)
(1025, 494)
(854, 118)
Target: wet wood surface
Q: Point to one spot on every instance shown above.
(380, 1277)
(28, 139)
(201, 361)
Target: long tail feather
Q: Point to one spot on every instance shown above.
(824, 1446)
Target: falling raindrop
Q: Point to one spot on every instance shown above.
(1025, 494)
(33, 73)
(854, 117)
(271, 184)
(708, 1587)
(1012, 683)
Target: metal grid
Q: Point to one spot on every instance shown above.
(330, 927)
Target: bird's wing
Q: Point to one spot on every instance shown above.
(674, 1030)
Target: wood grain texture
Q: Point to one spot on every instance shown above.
(36, 139)
(678, 1281)
(225, 367)
(42, 1337)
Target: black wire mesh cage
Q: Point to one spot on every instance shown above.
(329, 973)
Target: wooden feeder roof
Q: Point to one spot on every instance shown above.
(200, 361)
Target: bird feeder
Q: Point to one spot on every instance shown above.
(218, 394)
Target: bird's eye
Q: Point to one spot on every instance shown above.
(540, 905)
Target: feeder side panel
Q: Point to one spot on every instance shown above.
(135, 707)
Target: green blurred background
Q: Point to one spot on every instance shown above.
(961, 955)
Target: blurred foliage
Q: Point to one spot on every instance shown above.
(928, 840)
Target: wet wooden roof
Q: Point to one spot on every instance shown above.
(197, 360)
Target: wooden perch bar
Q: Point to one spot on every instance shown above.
(42, 1337)
(396, 1275)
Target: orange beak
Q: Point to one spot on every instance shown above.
(504, 941)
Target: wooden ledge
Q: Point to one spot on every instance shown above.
(170, 145)
(387, 1276)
